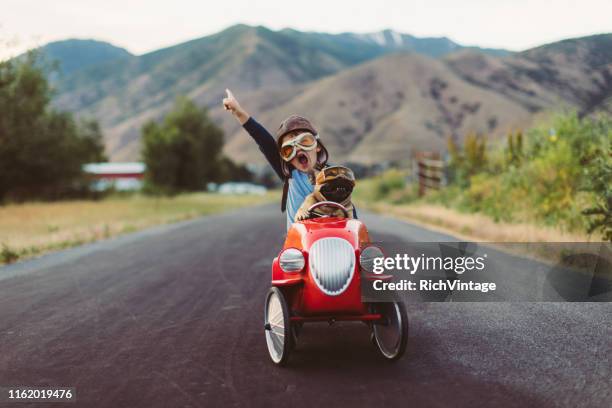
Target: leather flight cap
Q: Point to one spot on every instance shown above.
(294, 122)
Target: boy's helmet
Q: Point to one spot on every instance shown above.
(293, 123)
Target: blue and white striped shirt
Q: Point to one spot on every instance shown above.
(299, 188)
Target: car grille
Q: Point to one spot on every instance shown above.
(332, 264)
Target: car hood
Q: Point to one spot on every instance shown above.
(304, 233)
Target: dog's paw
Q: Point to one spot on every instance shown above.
(301, 215)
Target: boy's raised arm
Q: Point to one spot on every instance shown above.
(262, 137)
(230, 103)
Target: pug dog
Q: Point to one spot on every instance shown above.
(333, 183)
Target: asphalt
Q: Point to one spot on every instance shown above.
(172, 317)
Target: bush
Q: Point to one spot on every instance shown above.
(599, 176)
(388, 182)
(7, 255)
(468, 159)
(556, 174)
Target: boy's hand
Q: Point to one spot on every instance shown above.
(231, 104)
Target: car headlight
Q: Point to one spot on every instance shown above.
(367, 257)
(291, 260)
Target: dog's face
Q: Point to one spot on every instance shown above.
(335, 187)
(337, 190)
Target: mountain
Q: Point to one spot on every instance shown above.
(383, 109)
(431, 46)
(73, 55)
(575, 72)
(124, 93)
(373, 96)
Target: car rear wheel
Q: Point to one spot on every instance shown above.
(390, 335)
(277, 326)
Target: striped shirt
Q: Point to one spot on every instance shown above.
(299, 188)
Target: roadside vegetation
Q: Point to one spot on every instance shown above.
(42, 150)
(47, 201)
(31, 229)
(551, 183)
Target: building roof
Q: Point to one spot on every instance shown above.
(114, 168)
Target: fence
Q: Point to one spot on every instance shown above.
(429, 169)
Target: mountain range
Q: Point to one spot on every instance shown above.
(374, 97)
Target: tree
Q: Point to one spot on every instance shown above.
(183, 153)
(41, 150)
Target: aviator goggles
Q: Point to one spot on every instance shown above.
(305, 141)
(333, 172)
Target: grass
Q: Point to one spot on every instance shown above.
(31, 229)
(474, 226)
(404, 203)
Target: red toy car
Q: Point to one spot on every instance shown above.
(318, 276)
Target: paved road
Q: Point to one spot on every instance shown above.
(172, 317)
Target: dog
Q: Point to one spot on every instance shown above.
(333, 183)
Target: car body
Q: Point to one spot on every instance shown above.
(318, 276)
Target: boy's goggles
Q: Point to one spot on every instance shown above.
(305, 141)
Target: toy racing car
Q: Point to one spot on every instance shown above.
(317, 276)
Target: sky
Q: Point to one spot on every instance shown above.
(141, 26)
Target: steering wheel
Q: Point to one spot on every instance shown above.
(333, 204)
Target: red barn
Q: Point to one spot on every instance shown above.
(120, 176)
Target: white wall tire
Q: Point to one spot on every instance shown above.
(277, 326)
(390, 336)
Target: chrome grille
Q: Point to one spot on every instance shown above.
(332, 264)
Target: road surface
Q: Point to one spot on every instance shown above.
(172, 317)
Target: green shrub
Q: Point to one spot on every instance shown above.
(468, 159)
(599, 182)
(556, 174)
(7, 255)
(391, 180)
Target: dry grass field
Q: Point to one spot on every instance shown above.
(474, 227)
(31, 229)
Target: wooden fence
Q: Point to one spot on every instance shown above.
(429, 169)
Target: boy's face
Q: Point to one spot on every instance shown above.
(304, 160)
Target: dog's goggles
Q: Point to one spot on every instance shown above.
(305, 141)
(334, 172)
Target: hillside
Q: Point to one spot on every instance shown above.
(371, 99)
(75, 54)
(382, 109)
(575, 72)
(124, 94)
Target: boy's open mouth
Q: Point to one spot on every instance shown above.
(302, 159)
